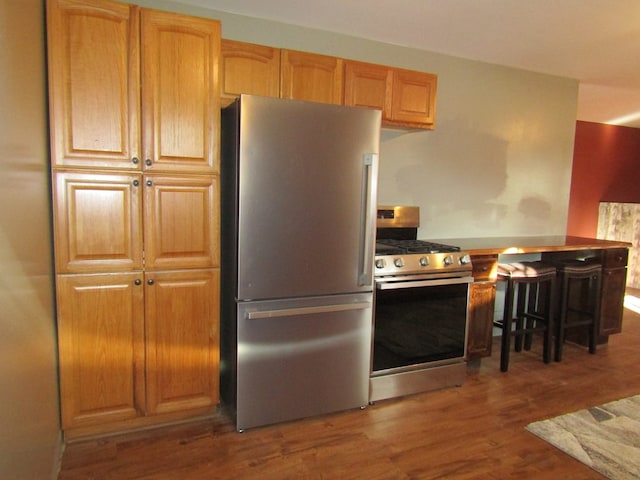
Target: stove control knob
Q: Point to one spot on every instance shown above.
(448, 260)
(465, 259)
(398, 262)
(380, 263)
(424, 261)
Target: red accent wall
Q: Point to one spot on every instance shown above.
(606, 168)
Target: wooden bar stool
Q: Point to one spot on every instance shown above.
(532, 285)
(579, 294)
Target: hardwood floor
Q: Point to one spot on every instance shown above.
(472, 432)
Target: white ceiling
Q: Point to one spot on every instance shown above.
(594, 41)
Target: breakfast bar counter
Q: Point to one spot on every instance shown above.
(532, 244)
(485, 252)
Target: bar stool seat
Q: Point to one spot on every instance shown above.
(581, 280)
(531, 288)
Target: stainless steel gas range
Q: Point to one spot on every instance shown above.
(421, 309)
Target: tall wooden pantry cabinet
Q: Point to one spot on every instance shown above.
(134, 110)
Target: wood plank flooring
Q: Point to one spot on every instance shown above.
(472, 432)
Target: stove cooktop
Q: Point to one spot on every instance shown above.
(409, 257)
(397, 247)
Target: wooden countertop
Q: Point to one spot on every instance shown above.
(533, 244)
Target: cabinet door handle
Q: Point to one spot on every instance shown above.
(149, 183)
(137, 281)
(136, 183)
(150, 281)
(148, 162)
(135, 160)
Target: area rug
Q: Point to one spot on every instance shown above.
(606, 438)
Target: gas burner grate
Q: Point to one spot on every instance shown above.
(417, 246)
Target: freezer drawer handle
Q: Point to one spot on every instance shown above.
(290, 312)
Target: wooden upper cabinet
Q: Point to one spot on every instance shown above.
(414, 98)
(368, 85)
(180, 97)
(183, 356)
(101, 347)
(406, 97)
(311, 77)
(94, 84)
(181, 222)
(248, 68)
(108, 58)
(97, 222)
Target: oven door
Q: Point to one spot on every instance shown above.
(419, 322)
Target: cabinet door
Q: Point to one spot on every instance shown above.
(368, 85)
(101, 350)
(93, 83)
(614, 279)
(414, 98)
(97, 222)
(480, 331)
(180, 97)
(312, 77)
(612, 300)
(182, 340)
(181, 227)
(248, 68)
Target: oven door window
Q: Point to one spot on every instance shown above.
(415, 326)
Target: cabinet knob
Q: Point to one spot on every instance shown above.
(148, 162)
(136, 183)
(149, 183)
(135, 160)
(150, 281)
(137, 281)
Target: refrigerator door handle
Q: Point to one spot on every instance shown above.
(290, 312)
(370, 182)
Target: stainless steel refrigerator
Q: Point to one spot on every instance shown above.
(298, 190)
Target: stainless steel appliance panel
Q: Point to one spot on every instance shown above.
(304, 357)
(307, 183)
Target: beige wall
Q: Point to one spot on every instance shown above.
(499, 161)
(29, 425)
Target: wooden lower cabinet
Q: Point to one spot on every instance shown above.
(181, 339)
(136, 345)
(480, 330)
(614, 279)
(482, 299)
(101, 347)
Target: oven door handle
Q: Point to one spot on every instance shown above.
(386, 285)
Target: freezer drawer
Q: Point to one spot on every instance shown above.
(303, 357)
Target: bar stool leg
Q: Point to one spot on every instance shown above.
(595, 282)
(534, 291)
(506, 327)
(562, 318)
(520, 314)
(549, 309)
